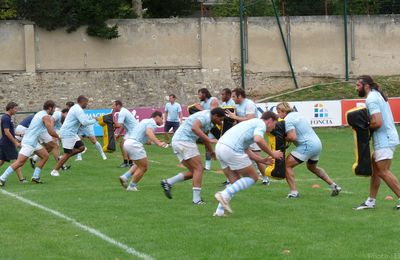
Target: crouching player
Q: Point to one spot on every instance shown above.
(133, 145)
(234, 152)
(308, 148)
(185, 148)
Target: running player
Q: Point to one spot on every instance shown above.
(246, 109)
(234, 152)
(185, 148)
(144, 132)
(72, 144)
(42, 125)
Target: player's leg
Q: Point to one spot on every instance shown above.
(185, 151)
(23, 156)
(290, 163)
(139, 170)
(44, 156)
(99, 148)
(312, 166)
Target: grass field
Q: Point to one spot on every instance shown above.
(265, 224)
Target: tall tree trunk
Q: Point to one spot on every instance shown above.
(137, 7)
(326, 7)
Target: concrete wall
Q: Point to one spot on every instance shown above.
(154, 57)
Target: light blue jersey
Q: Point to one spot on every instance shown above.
(207, 104)
(386, 136)
(74, 119)
(86, 131)
(57, 115)
(140, 131)
(36, 128)
(229, 103)
(247, 107)
(185, 133)
(173, 111)
(305, 133)
(129, 121)
(241, 136)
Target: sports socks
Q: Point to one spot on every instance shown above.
(370, 201)
(239, 185)
(36, 173)
(196, 194)
(99, 148)
(6, 173)
(127, 175)
(177, 178)
(79, 156)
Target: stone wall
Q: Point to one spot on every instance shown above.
(155, 57)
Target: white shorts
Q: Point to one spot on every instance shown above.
(230, 158)
(20, 130)
(185, 150)
(45, 138)
(69, 142)
(255, 147)
(134, 149)
(384, 154)
(28, 150)
(87, 131)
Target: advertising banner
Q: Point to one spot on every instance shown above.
(318, 113)
(98, 130)
(348, 104)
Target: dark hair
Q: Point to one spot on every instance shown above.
(65, 110)
(366, 79)
(11, 105)
(240, 92)
(205, 91)
(269, 114)
(227, 91)
(172, 95)
(49, 104)
(218, 111)
(118, 102)
(70, 104)
(82, 98)
(156, 113)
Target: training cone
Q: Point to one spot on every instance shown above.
(388, 197)
(315, 186)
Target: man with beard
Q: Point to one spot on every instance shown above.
(385, 138)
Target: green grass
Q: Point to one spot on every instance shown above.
(340, 90)
(265, 224)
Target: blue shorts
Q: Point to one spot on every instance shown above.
(8, 153)
(308, 152)
(168, 125)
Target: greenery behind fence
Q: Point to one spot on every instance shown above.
(74, 13)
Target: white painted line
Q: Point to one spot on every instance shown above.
(92, 231)
(152, 161)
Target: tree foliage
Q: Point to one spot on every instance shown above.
(306, 7)
(7, 10)
(168, 8)
(53, 14)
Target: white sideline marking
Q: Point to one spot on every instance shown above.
(92, 231)
(154, 161)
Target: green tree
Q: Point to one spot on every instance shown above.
(231, 8)
(7, 10)
(53, 14)
(168, 8)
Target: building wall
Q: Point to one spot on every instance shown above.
(155, 57)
